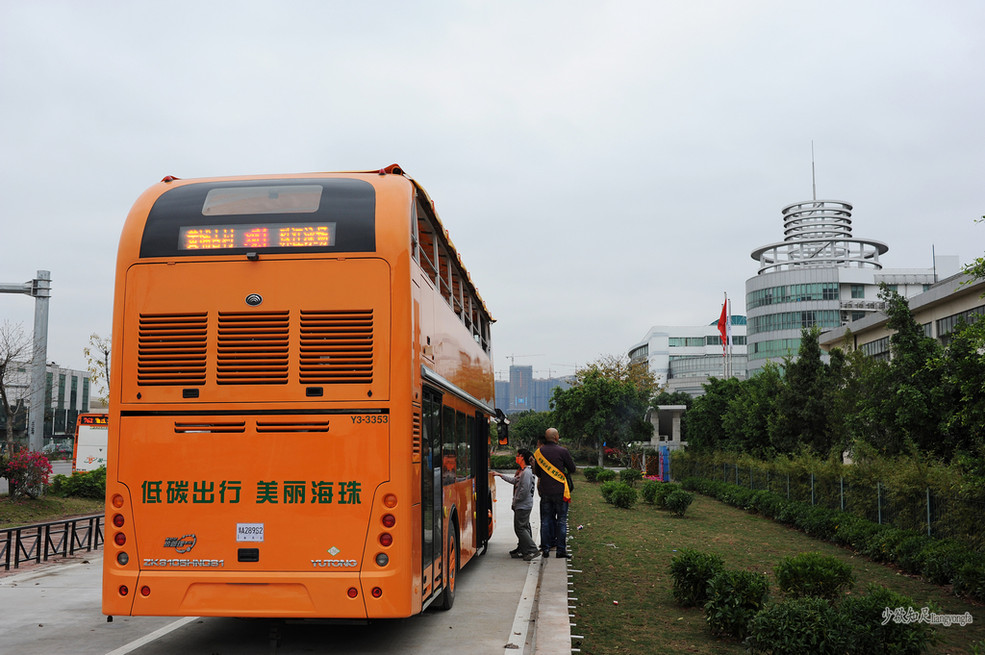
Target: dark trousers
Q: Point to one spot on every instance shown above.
(553, 523)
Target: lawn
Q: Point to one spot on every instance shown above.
(24, 511)
(624, 590)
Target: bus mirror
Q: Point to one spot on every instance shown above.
(502, 427)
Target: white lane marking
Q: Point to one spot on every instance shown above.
(157, 634)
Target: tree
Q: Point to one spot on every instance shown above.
(706, 431)
(97, 355)
(605, 406)
(749, 414)
(962, 370)
(15, 350)
(914, 409)
(803, 404)
(527, 427)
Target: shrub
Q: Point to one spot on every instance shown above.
(591, 473)
(623, 495)
(607, 489)
(871, 629)
(503, 462)
(82, 484)
(691, 570)
(940, 561)
(813, 574)
(799, 625)
(655, 492)
(606, 475)
(734, 598)
(678, 501)
(27, 472)
(630, 476)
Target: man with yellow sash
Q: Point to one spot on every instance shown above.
(553, 465)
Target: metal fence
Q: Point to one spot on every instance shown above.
(923, 510)
(40, 542)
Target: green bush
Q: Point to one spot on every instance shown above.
(503, 462)
(655, 492)
(623, 495)
(607, 489)
(814, 574)
(606, 475)
(678, 501)
(734, 598)
(82, 484)
(796, 626)
(871, 629)
(940, 561)
(630, 476)
(591, 473)
(691, 571)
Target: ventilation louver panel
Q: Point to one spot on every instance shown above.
(171, 349)
(337, 347)
(292, 426)
(415, 447)
(229, 427)
(253, 348)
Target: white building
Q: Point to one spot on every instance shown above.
(820, 275)
(682, 358)
(66, 396)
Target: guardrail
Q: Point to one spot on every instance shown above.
(40, 542)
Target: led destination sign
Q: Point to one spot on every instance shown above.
(256, 235)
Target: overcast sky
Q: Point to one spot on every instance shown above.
(602, 167)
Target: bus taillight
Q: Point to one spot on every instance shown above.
(390, 500)
(117, 501)
(389, 520)
(118, 520)
(122, 559)
(353, 592)
(377, 592)
(123, 590)
(120, 538)
(382, 559)
(386, 539)
(145, 591)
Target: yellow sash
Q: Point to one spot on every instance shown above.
(554, 472)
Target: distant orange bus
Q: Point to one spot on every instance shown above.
(301, 392)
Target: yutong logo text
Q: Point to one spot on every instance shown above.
(180, 544)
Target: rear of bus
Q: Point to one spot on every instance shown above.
(89, 447)
(252, 404)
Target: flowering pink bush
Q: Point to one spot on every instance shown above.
(28, 473)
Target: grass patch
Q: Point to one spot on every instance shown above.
(24, 511)
(624, 555)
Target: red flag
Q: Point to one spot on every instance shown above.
(723, 326)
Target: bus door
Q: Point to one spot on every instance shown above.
(480, 473)
(431, 504)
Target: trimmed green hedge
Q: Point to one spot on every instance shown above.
(939, 561)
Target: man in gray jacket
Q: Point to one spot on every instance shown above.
(523, 502)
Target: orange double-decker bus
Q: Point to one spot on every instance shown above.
(301, 392)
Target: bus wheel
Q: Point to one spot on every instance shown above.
(451, 570)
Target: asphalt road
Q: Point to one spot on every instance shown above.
(55, 608)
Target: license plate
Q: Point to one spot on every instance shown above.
(249, 532)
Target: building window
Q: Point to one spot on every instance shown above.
(858, 291)
(878, 349)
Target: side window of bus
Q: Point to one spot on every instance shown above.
(462, 440)
(448, 459)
